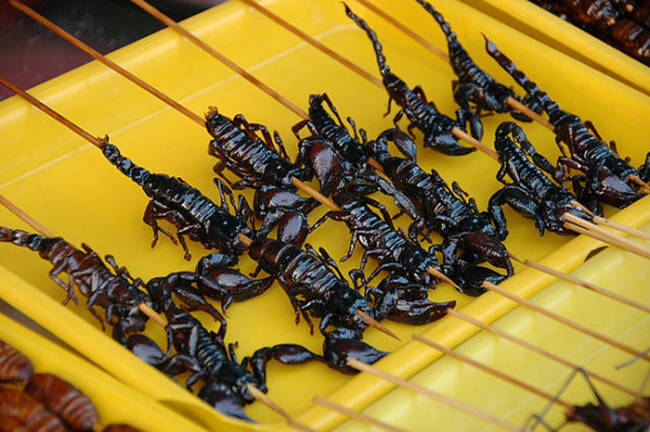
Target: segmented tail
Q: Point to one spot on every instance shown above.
(126, 165)
(446, 28)
(381, 59)
(32, 241)
(550, 106)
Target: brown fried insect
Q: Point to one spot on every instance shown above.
(63, 399)
(120, 428)
(31, 416)
(14, 366)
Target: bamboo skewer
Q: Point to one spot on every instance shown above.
(635, 178)
(356, 364)
(459, 133)
(490, 370)
(157, 93)
(259, 396)
(590, 286)
(100, 143)
(538, 350)
(611, 224)
(582, 226)
(574, 325)
(437, 51)
(216, 54)
(355, 414)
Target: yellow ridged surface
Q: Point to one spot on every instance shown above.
(67, 185)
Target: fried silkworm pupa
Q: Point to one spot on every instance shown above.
(120, 428)
(14, 366)
(19, 412)
(63, 399)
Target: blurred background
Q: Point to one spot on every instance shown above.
(31, 54)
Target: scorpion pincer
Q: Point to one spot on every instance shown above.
(532, 193)
(606, 174)
(423, 115)
(475, 90)
(117, 292)
(445, 209)
(193, 214)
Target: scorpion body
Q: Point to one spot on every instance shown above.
(532, 193)
(244, 153)
(191, 212)
(606, 174)
(117, 293)
(474, 88)
(423, 115)
(445, 209)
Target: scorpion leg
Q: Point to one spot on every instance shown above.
(280, 144)
(301, 125)
(520, 200)
(156, 210)
(465, 116)
(127, 325)
(354, 127)
(328, 101)
(382, 208)
(252, 128)
(288, 354)
(62, 267)
(390, 101)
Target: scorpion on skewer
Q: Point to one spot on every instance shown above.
(445, 210)
(532, 193)
(606, 176)
(193, 214)
(475, 90)
(422, 114)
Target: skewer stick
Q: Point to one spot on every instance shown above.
(490, 370)
(635, 178)
(538, 350)
(574, 325)
(216, 54)
(13, 208)
(458, 133)
(611, 224)
(599, 233)
(261, 397)
(437, 51)
(100, 58)
(583, 283)
(355, 414)
(432, 394)
(374, 323)
(171, 102)
(313, 42)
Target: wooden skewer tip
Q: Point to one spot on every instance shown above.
(376, 324)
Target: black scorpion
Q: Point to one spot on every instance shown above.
(607, 176)
(423, 115)
(531, 192)
(445, 210)
(475, 90)
(193, 214)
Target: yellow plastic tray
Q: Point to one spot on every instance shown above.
(564, 36)
(68, 186)
(115, 402)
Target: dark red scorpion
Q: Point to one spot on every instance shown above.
(422, 114)
(446, 211)
(475, 90)
(606, 176)
(531, 192)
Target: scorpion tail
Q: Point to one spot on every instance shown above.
(34, 242)
(549, 105)
(444, 25)
(126, 165)
(381, 59)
